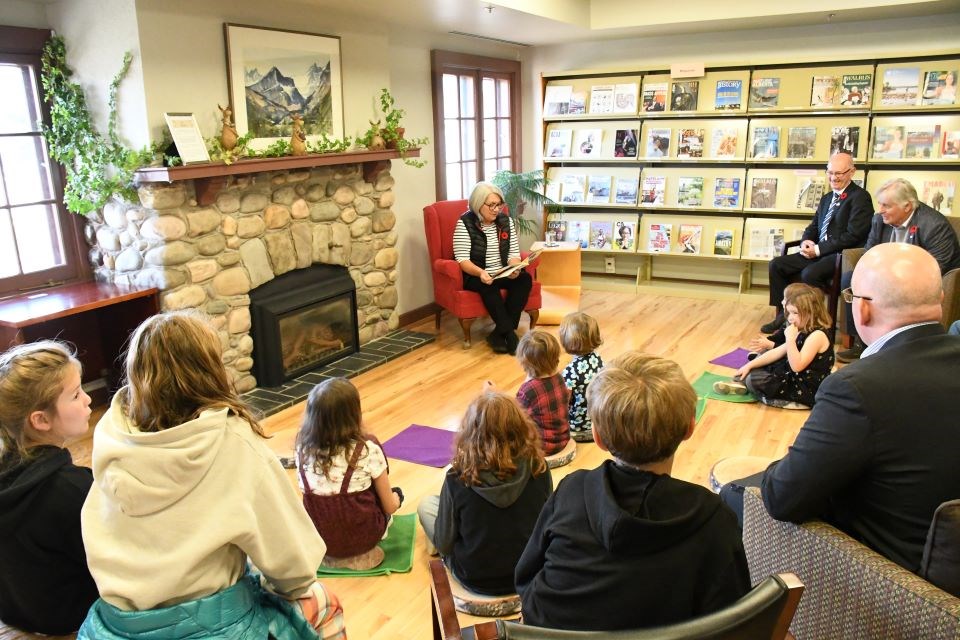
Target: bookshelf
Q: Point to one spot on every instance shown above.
(736, 156)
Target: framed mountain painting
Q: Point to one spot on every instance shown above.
(274, 74)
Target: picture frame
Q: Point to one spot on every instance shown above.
(274, 73)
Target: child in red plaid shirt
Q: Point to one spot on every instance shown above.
(544, 394)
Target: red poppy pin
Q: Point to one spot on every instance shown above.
(504, 235)
(913, 230)
(843, 196)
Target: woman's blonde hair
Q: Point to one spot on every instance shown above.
(579, 334)
(810, 305)
(332, 423)
(538, 353)
(31, 379)
(495, 434)
(174, 371)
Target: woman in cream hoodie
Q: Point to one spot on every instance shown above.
(184, 493)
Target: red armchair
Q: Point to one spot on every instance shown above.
(439, 219)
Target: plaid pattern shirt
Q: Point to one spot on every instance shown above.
(547, 401)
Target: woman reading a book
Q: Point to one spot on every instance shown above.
(484, 243)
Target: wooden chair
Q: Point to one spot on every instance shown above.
(763, 614)
(439, 220)
(833, 292)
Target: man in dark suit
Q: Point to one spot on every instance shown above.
(903, 218)
(842, 221)
(879, 454)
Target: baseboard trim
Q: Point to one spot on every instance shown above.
(418, 314)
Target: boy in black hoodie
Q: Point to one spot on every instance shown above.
(625, 546)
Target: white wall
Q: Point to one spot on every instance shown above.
(18, 13)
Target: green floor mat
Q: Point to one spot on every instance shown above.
(397, 550)
(704, 388)
(701, 407)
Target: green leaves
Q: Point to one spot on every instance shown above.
(522, 189)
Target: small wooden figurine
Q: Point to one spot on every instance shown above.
(377, 143)
(228, 135)
(298, 140)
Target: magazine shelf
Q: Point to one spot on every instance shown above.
(755, 139)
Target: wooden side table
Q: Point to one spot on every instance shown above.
(559, 278)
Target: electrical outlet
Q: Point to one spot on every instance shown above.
(610, 264)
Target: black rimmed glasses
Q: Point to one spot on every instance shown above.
(496, 206)
(837, 174)
(849, 295)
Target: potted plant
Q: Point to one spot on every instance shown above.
(390, 130)
(523, 189)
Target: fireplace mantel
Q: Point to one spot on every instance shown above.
(210, 177)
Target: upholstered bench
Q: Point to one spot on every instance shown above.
(476, 604)
(564, 456)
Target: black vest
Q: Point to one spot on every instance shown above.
(478, 240)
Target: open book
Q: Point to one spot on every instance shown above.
(509, 270)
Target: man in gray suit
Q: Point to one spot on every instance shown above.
(903, 218)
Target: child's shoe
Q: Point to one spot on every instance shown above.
(729, 387)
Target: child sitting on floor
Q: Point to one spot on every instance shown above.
(185, 492)
(625, 545)
(45, 586)
(789, 375)
(491, 495)
(344, 475)
(580, 337)
(544, 394)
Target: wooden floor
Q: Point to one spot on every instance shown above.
(432, 385)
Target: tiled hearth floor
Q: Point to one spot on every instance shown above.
(269, 400)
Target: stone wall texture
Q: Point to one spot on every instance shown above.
(261, 225)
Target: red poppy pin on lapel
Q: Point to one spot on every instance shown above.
(843, 196)
(504, 235)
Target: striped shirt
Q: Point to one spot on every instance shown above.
(461, 244)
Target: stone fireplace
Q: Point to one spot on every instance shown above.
(208, 246)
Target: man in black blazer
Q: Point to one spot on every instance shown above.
(842, 221)
(879, 452)
(903, 218)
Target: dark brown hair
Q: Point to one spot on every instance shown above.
(332, 424)
(579, 334)
(494, 435)
(175, 371)
(538, 353)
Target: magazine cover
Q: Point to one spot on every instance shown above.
(572, 187)
(723, 242)
(558, 143)
(900, 86)
(623, 235)
(825, 91)
(587, 143)
(598, 189)
(724, 144)
(801, 143)
(689, 238)
(653, 190)
(766, 242)
(683, 95)
(578, 103)
(940, 87)
(578, 231)
(551, 189)
(625, 98)
(690, 143)
(625, 144)
(559, 229)
(626, 190)
(922, 143)
(690, 191)
(764, 93)
(766, 142)
(556, 99)
(888, 143)
(726, 193)
(951, 145)
(939, 195)
(601, 234)
(855, 89)
(845, 139)
(658, 143)
(809, 192)
(658, 237)
(655, 96)
(763, 193)
(728, 95)
(601, 98)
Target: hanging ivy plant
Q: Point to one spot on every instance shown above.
(96, 168)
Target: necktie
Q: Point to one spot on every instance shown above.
(827, 218)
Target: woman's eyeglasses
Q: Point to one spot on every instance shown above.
(494, 205)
